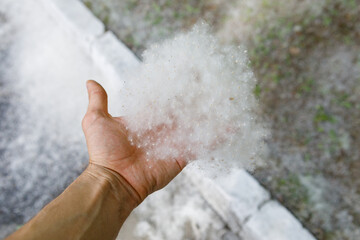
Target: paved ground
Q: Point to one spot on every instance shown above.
(306, 57)
(42, 97)
(44, 64)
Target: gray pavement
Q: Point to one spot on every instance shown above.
(46, 55)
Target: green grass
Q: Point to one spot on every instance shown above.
(333, 136)
(343, 100)
(131, 5)
(88, 4)
(156, 7)
(327, 20)
(307, 86)
(257, 91)
(292, 190)
(350, 4)
(322, 116)
(191, 10)
(157, 20)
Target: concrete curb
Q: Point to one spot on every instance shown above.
(248, 209)
(89, 33)
(238, 198)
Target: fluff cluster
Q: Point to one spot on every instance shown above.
(192, 98)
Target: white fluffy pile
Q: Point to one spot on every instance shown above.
(192, 98)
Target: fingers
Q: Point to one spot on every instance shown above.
(181, 163)
(97, 97)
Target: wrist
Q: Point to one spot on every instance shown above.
(118, 185)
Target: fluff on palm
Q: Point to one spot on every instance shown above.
(192, 98)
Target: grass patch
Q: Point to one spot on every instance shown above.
(322, 116)
(292, 191)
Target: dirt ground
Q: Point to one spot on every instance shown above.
(306, 56)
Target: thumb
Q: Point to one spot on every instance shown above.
(97, 97)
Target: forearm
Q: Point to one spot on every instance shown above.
(94, 206)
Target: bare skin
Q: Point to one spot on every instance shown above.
(108, 146)
(117, 179)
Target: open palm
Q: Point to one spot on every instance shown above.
(109, 147)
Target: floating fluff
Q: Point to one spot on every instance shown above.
(193, 99)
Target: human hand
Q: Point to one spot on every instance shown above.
(109, 147)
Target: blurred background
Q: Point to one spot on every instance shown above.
(305, 55)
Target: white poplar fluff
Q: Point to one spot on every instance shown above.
(192, 98)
